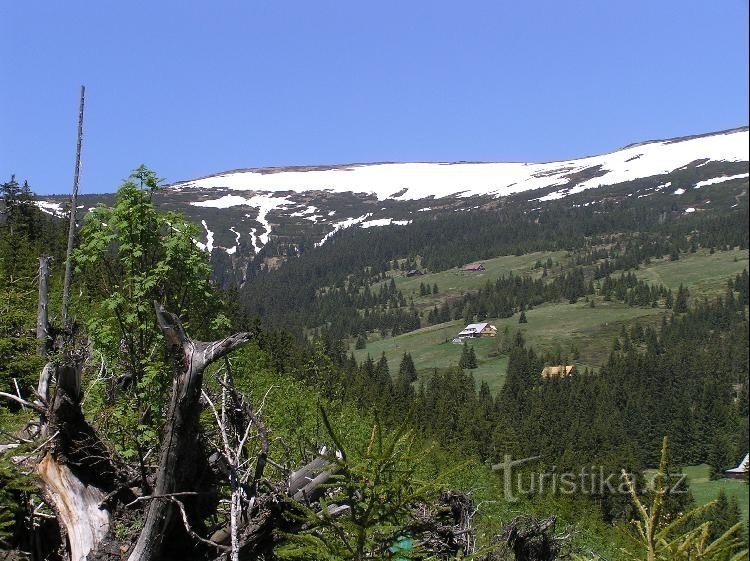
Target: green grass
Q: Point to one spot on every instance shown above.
(705, 490)
(454, 282)
(550, 326)
(701, 272)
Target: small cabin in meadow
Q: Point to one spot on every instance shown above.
(740, 472)
(474, 267)
(474, 330)
(414, 273)
(557, 371)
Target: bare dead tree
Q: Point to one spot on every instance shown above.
(88, 487)
(238, 427)
(42, 321)
(176, 472)
(73, 203)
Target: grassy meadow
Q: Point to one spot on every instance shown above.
(705, 490)
(455, 282)
(552, 326)
(702, 272)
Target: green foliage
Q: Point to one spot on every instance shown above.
(661, 538)
(24, 231)
(407, 369)
(129, 256)
(681, 302)
(14, 486)
(468, 358)
(377, 489)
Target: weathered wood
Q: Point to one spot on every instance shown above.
(73, 203)
(43, 341)
(76, 472)
(42, 322)
(307, 483)
(177, 464)
(76, 505)
(42, 389)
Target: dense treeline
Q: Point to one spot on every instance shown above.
(688, 380)
(689, 375)
(25, 234)
(630, 289)
(634, 230)
(511, 294)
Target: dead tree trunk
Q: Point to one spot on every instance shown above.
(43, 341)
(76, 471)
(72, 225)
(176, 469)
(42, 322)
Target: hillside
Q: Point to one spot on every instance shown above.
(255, 218)
(645, 289)
(552, 327)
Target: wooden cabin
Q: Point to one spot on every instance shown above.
(475, 330)
(474, 267)
(558, 371)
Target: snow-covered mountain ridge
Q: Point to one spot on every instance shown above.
(412, 181)
(266, 215)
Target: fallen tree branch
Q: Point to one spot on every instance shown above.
(23, 402)
(190, 530)
(164, 496)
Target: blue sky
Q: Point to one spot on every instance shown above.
(192, 88)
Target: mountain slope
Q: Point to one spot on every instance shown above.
(260, 217)
(413, 181)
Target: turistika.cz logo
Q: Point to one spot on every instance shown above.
(519, 480)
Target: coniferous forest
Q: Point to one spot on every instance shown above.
(170, 417)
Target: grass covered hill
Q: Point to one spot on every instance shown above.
(557, 328)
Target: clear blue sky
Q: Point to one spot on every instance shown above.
(191, 88)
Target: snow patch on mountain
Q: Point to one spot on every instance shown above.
(223, 202)
(312, 209)
(721, 179)
(424, 180)
(232, 250)
(54, 209)
(341, 225)
(209, 245)
(265, 203)
(383, 222)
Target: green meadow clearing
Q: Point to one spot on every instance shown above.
(701, 272)
(549, 327)
(705, 490)
(454, 282)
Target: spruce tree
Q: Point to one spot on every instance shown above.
(471, 359)
(681, 302)
(464, 360)
(407, 369)
(361, 342)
